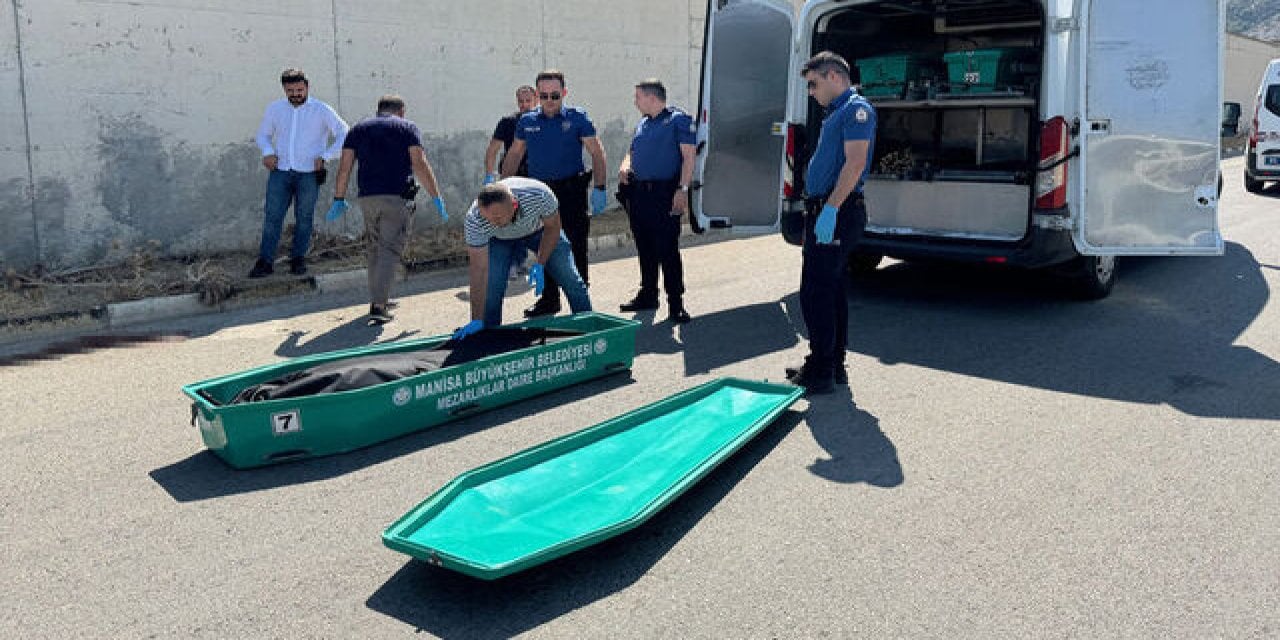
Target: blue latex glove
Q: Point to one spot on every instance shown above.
(339, 207)
(470, 328)
(439, 202)
(824, 230)
(490, 178)
(599, 200)
(537, 279)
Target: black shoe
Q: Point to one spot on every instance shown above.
(679, 315)
(638, 303)
(838, 374)
(813, 384)
(378, 314)
(298, 266)
(261, 269)
(543, 307)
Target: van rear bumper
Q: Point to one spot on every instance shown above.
(1269, 173)
(1041, 248)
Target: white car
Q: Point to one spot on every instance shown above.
(1264, 132)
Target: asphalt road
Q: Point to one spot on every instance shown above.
(1006, 463)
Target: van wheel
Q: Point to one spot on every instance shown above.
(863, 264)
(1251, 185)
(1091, 277)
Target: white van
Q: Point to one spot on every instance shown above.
(1263, 149)
(1101, 139)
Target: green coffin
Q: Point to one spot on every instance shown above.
(260, 433)
(588, 486)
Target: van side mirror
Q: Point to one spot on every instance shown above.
(1230, 119)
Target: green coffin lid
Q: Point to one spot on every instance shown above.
(588, 486)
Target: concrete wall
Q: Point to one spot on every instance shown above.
(17, 225)
(141, 113)
(1246, 60)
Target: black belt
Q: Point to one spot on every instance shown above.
(570, 181)
(655, 185)
(817, 202)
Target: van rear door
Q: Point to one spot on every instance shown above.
(745, 59)
(1152, 104)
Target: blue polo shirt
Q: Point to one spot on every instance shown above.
(381, 144)
(849, 117)
(554, 145)
(655, 149)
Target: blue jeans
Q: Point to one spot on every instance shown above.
(283, 188)
(504, 253)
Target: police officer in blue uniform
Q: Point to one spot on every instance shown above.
(654, 182)
(834, 220)
(554, 135)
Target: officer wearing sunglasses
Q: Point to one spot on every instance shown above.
(553, 136)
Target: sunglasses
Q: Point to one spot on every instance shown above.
(554, 95)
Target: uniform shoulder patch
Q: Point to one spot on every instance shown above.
(862, 115)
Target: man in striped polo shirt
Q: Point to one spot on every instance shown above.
(509, 218)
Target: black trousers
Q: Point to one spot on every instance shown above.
(572, 195)
(657, 237)
(824, 284)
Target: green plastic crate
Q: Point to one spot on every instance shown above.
(889, 75)
(261, 433)
(990, 70)
(588, 486)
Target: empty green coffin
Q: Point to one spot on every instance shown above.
(255, 433)
(588, 486)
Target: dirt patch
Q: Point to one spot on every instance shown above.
(40, 296)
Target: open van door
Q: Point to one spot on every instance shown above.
(746, 54)
(1149, 149)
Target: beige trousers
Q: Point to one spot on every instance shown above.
(386, 224)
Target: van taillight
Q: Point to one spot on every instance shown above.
(1051, 180)
(1253, 130)
(788, 182)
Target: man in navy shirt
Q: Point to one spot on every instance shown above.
(389, 150)
(654, 178)
(553, 136)
(835, 218)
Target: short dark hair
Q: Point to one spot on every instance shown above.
(826, 62)
(292, 75)
(493, 194)
(390, 103)
(550, 74)
(653, 87)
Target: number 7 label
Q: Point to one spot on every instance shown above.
(285, 423)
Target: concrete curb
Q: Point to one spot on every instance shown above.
(149, 309)
(342, 280)
(122, 314)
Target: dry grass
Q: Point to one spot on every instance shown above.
(38, 293)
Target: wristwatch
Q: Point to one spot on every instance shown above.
(684, 187)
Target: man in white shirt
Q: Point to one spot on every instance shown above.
(294, 137)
